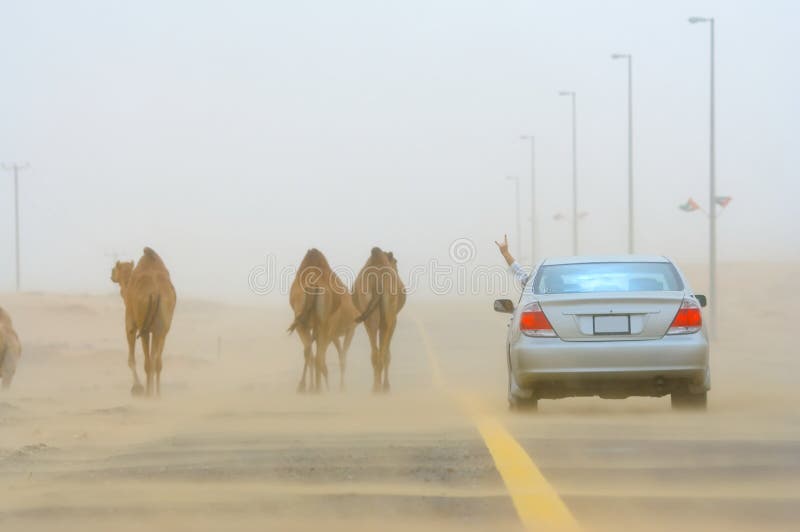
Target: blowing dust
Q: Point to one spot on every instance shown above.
(231, 443)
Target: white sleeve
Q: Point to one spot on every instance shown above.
(519, 274)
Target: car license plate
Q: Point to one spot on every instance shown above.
(612, 325)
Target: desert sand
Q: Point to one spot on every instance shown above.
(230, 443)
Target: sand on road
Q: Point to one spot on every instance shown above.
(231, 444)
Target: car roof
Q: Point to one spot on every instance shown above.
(590, 259)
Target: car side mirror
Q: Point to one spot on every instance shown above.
(505, 306)
(703, 300)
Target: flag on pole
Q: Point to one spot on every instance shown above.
(723, 201)
(689, 206)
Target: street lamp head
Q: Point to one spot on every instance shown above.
(695, 20)
(525, 137)
(566, 93)
(620, 56)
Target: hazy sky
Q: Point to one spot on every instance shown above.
(220, 132)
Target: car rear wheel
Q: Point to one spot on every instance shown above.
(685, 400)
(519, 404)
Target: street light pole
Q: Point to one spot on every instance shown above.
(533, 195)
(519, 226)
(15, 168)
(712, 177)
(574, 174)
(629, 57)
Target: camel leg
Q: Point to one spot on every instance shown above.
(321, 368)
(342, 354)
(308, 357)
(148, 363)
(137, 388)
(348, 338)
(372, 333)
(155, 353)
(8, 366)
(301, 386)
(387, 331)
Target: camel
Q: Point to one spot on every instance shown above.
(379, 294)
(10, 349)
(323, 313)
(149, 299)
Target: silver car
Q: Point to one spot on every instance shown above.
(614, 327)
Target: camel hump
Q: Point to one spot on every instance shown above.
(150, 253)
(150, 258)
(315, 255)
(315, 259)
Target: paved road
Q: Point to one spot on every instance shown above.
(232, 446)
(634, 463)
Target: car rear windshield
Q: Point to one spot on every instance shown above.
(606, 277)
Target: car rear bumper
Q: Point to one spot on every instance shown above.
(551, 367)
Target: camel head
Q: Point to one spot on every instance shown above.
(121, 274)
(392, 259)
(379, 257)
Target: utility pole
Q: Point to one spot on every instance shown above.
(518, 237)
(574, 173)
(533, 196)
(15, 169)
(629, 57)
(712, 170)
(712, 177)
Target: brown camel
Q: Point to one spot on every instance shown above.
(323, 312)
(379, 294)
(149, 299)
(10, 349)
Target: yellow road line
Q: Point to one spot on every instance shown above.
(432, 360)
(537, 503)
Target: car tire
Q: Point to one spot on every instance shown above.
(685, 400)
(519, 404)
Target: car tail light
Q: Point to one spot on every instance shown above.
(688, 319)
(533, 322)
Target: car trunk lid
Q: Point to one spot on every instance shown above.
(611, 316)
